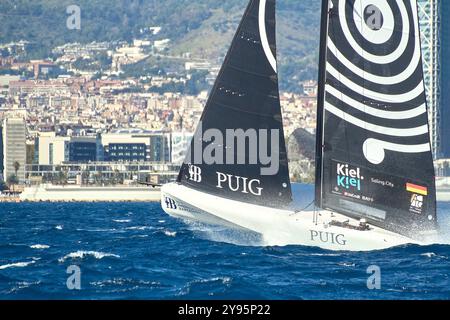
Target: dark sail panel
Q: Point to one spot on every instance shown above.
(241, 129)
(374, 151)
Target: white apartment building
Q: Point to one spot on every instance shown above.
(14, 148)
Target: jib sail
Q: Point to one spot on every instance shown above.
(239, 151)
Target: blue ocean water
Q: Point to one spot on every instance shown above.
(135, 251)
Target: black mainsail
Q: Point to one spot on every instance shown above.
(244, 105)
(374, 158)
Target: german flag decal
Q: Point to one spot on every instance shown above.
(414, 188)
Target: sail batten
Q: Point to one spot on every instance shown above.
(374, 155)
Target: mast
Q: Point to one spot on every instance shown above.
(321, 101)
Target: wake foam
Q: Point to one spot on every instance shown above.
(172, 234)
(225, 235)
(85, 254)
(17, 265)
(122, 221)
(39, 246)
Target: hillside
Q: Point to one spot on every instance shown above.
(202, 27)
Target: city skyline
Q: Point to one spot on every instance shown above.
(65, 103)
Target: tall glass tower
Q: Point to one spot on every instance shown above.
(430, 23)
(435, 28)
(445, 79)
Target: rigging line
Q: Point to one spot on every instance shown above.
(302, 210)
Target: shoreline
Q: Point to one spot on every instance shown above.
(116, 194)
(87, 194)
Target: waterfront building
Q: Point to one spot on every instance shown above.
(1, 153)
(56, 150)
(101, 173)
(14, 148)
(52, 149)
(136, 145)
(84, 149)
(180, 143)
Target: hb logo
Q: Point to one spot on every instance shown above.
(171, 204)
(195, 174)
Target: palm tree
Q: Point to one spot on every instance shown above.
(16, 167)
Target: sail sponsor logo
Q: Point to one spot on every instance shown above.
(417, 202)
(195, 173)
(328, 237)
(239, 184)
(414, 188)
(348, 177)
(170, 203)
(417, 198)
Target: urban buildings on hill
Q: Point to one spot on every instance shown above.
(57, 127)
(78, 120)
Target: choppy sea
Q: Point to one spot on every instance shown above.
(135, 251)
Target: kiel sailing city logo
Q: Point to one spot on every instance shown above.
(348, 177)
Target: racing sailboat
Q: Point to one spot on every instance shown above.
(374, 169)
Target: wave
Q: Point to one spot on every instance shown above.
(224, 234)
(59, 227)
(431, 255)
(140, 228)
(23, 285)
(122, 221)
(170, 233)
(39, 246)
(221, 282)
(17, 265)
(126, 281)
(84, 254)
(98, 230)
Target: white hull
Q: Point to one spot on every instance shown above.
(277, 227)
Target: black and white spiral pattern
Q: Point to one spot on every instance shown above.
(374, 76)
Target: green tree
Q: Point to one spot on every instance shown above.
(16, 166)
(62, 177)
